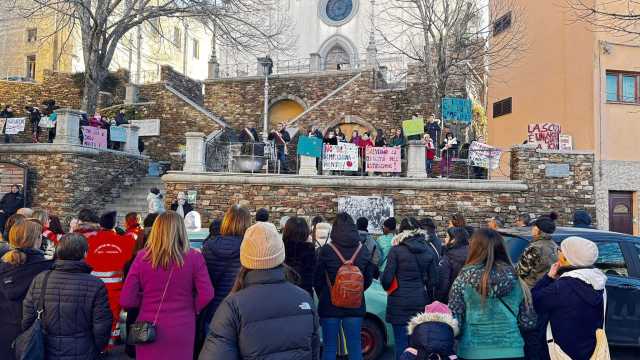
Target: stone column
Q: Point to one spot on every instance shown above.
(213, 70)
(68, 127)
(195, 152)
(131, 94)
(131, 145)
(308, 166)
(315, 64)
(416, 159)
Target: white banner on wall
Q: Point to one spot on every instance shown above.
(375, 208)
(341, 157)
(148, 127)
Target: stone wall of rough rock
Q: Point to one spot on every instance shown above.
(189, 87)
(69, 178)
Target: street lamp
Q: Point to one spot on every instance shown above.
(267, 68)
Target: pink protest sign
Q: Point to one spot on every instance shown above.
(383, 159)
(94, 137)
(545, 135)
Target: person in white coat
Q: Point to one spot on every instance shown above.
(155, 201)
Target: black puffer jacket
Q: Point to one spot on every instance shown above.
(413, 263)
(14, 284)
(248, 327)
(222, 255)
(301, 257)
(77, 318)
(346, 239)
(450, 265)
(432, 334)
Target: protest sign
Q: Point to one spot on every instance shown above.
(413, 127)
(94, 137)
(376, 209)
(310, 146)
(46, 123)
(341, 157)
(484, 156)
(2, 121)
(118, 134)
(383, 159)
(149, 127)
(192, 196)
(545, 135)
(14, 125)
(456, 109)
(566, 142)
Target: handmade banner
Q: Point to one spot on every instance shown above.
(2, 121)
(46, 123)
(566, 142)
(149, 127)
(545, 135)
(456, 109)
(94, 137)
(118, 134)
(376, 209)
(341, 157)
(484, 156)
(14, 125)
(384, 159)
(413, 127)
(310, 146)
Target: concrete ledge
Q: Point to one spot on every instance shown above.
(61, 149)
(546, 151)
(345, 181)
(308, 74)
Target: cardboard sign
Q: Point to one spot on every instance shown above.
(46, 123)
(545, 136)
(383, 159)
(375, 208)
(192, 196)
(310, 146)
(456, 109)
(413, 127)
(2, 121)
(566, 142)
(14, 125)
(94, 137)
(484, 156)
(149, 127)
(341, 157)
(118, 134)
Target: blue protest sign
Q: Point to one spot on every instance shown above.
(456, 109)
(310, 146)
(118, 134)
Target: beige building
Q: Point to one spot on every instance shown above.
(586, 81)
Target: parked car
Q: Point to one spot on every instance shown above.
(619, 258)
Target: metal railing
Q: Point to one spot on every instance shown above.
(249, 157)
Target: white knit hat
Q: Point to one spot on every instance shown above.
(579, 251)
(262, 247)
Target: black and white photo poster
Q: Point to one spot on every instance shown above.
(375, 208)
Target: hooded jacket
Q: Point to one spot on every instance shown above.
(301, 257)
(14, 284)
(575, 306)
(451, 263)
(582, 219)
(414, 266)
(222, 255)
(432, 334)
(537, 258)
(155, 203)
(322, 234)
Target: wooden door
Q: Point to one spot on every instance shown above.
(621, 211)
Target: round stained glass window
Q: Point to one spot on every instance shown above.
(337, 12)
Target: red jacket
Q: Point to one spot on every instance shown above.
(430, 151)
(108, 253)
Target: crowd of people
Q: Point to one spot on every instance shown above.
(249, 291)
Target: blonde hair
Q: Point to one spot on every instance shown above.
(23, 235)
(236, 221)
(41, 215)
(168, 242)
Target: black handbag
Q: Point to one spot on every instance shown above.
(144, 332)
(30, 344)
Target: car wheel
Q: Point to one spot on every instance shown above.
(372, 340)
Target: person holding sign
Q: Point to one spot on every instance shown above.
(433, 128)
(448, 149)
(331, 138)
(247, 137)
(34, 116)
(4, 115)
(430, 153)
(281, 137)
(340, 135)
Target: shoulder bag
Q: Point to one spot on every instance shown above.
(144, 332)
(30, 344)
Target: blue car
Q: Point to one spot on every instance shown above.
(619, 259)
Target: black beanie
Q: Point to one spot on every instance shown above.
(545, 224)
(390, 223)
(108, 220)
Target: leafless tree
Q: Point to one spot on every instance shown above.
(453, 40)
(103, 24)
(617, 17)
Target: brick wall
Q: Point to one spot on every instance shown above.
(189, 87)
(10, 174)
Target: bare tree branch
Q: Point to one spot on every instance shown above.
(619, 18)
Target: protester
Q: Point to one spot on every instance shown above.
(410, 278)
(27, 212)
(214, 229)
(572, 297)
(76, 316)
(320, 234)
(369, 243)
(18, 267)
(448, 150)
(181, 205)
(537, 258)
(432, 334)
(262, 215)
(429, 226)
(355, 138)
(132, 225)
(11, 221)
(34, 117)
(495, 223)
(385, 241)
(193, 221)
(148, 224)
(433, 128)
(56, 226)
(6, 113)
(86, 223)
(222, 255)
(249, 134)
(314, 132)
(489, 303)
(380, 139)
(330, 139)
(168, 282)
(340, 135)
(300, 254)
(524, 220)
(582, 219)
(155, 201)
(398, 139)
(456, 250)
(345, 243)
(281, 137)
(49, 238)
(10, 203)
(458, 220)
(121, 118)
(245, 326)
(430, 153)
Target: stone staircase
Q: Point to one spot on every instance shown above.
(134, 198)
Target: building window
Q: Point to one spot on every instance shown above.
(623, 87)
(32, 35)
(177, 37)
(196, 49)
(31, 67)
(502, 24)
(502, 107)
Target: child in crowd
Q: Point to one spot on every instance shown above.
(431, 335)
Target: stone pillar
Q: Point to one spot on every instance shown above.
(372, 54)
(214, 70)
(416, 159)
(315, 64)
(195, 152)
(308, 166)
(131, 145)
(131, 94)
(68, 127)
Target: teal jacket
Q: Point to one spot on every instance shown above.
(490, 328)
(384, 244)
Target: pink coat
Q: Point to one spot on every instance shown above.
(188, 293)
